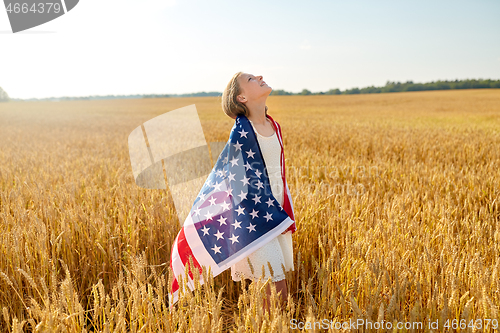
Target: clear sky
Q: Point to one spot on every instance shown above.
(119, 47)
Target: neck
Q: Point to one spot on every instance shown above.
(257, 110)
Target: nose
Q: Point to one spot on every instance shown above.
(260, 77)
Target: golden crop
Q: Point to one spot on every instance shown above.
(396, 198)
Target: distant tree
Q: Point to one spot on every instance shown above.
(280, 92)
(305, 92)
(3, 96)
(352, 91)
(370, 90)
(333, 92)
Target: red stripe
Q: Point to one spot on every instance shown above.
(185, 252)
(175, 284)
(278, 131)
(286, 202)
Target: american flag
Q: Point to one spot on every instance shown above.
(235, 212)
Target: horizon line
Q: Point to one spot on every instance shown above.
(278, 92)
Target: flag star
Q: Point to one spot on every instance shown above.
(225, 159)
(231, 176)
(260, 184)
(236, 224)
(251, 228)
(219, 235)
(245, 180)
(243, 134)
(201, 196)
(208, 216)
(205, 230)
(222, 220)
(229, 192)
(234, 161)
(237, 145)
(225, 206)
(248, 166)
(197, 211)
(256, 198)
(254, 214)
(217, 186)
(216, 249)
(268, 217)
(250, 153)
(234, 239)
(240, 211)
(243, 195)
(219, 173)
(258, 173)
(224, 172)
(212, 201)
(269, 202)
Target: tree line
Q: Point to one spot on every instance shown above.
(389, 87)
(93, 97)
(402, 86)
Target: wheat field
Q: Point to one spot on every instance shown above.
(396, 199)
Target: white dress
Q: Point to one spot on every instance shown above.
(279, 250)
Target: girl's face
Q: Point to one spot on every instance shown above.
(253, 87)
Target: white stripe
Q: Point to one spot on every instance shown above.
(202, 256)
(179, 271)
(175, 260)
(205, 259)
(287, 192)
(178, 267)
(282, 159)
(256, 244)
(279, 133)
(172, 299)
(283, 165)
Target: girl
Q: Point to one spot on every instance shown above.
(246, 94)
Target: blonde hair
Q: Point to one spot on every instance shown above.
(230, 105)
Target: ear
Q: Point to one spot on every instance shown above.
(241, 99)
